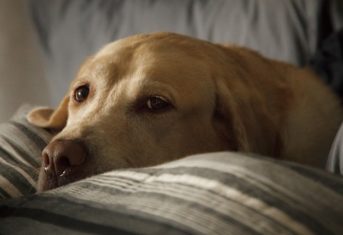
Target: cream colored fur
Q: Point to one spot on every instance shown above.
(222, 97)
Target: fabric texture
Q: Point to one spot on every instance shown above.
(218, 193)
(69, 31)
(328, 62)
(335, 159)
(20, 150)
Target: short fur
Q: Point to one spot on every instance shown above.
(223, 97)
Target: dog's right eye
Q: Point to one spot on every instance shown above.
(81, 93)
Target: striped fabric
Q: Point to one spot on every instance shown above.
(217, 193)
(20, 150)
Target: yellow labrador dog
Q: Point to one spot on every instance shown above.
(152, 98)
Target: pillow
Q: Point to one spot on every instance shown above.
(20, 150)
(215, 193)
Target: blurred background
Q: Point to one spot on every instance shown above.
(21, 70)
(42, 43)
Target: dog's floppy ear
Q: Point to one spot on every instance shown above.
(248, 102)
(228, 119)
(50, 118)
(244, 123)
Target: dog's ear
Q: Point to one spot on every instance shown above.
(50, 118)
(244, 123)
(242, 113)
(229, 121)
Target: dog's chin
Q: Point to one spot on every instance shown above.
(51, 181)
(46, 182)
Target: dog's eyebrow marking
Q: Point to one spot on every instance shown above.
(100, 69)
(143, 88)
(104, 70)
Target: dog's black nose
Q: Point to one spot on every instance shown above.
(61, 156)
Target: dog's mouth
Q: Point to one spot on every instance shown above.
(63, 161)
(50, 180)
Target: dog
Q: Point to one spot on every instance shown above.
(152, 98)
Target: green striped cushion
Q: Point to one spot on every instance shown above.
(218, 193)
(20, 149)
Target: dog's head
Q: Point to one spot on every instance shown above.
(149, 99)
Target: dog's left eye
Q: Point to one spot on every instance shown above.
(157, 103)
(81, 93)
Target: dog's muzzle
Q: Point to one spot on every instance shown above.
(62, 160)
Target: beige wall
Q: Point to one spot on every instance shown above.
(21, 70)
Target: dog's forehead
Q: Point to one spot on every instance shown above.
(117, 60)
(174, 60)
(172, 40)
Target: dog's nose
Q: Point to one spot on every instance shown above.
(61, 156)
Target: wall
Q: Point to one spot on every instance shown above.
(21, 70)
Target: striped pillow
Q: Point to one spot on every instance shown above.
(217, 193)
(20, 149)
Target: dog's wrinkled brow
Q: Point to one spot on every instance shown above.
(101, 69)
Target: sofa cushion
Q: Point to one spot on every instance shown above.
(215, 193)
(20, 150)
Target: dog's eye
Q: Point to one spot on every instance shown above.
(157, 103)
(81, 93)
